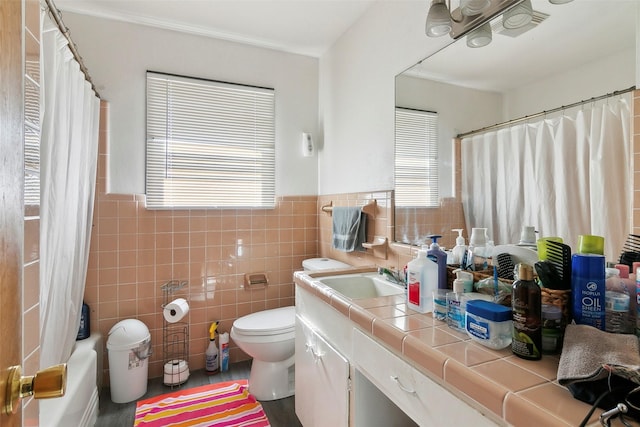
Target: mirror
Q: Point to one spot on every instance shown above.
(570, 52)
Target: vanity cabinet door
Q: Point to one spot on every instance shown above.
(322, 380)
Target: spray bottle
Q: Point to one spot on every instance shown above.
(211, 354)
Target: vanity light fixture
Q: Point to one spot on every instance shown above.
(471, 15)
(438, 19)
(518, 16)
(473, 7)
(480, 37)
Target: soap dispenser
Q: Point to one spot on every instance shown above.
(464, 280)
(457, 253)
(437, 255)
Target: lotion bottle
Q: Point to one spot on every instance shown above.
(437, 255)
(422, 280)
(455, 308)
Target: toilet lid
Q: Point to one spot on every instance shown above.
(267, 322)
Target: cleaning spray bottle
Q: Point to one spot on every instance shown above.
(458, 251)
(211, 354)
(224, 352)
(437, 255)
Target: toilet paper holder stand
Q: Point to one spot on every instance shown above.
(175, 336)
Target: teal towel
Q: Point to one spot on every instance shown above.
(349, 228)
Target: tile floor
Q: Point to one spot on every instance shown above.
(281, 413)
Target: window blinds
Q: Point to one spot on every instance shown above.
(209, 144)
(416, 158)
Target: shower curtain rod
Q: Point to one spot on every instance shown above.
(543, 113)
(55, 14)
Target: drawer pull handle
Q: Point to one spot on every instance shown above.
(402, 387)
(316, 356)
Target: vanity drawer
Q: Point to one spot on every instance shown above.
(422, 399)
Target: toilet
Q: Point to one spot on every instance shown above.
(269, 338)
(314, 264)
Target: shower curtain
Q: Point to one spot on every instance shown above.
(68, 158)
(565, 176)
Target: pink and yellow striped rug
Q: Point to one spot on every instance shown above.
(222, 405)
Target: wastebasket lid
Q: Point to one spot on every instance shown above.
(127, 334)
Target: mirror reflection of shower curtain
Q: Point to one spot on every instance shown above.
(565, 176)
(68, 156)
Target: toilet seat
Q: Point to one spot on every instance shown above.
(277, 321)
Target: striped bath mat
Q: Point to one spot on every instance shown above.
(222, 405)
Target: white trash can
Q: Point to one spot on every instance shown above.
(129, 347)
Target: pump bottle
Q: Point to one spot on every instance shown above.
(211, 354)
(477, 251)
(437, 255)
(457, 253)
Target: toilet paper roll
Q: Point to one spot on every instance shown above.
(175, 310)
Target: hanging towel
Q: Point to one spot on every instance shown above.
(349, 228)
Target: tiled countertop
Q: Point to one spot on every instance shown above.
(501, 385)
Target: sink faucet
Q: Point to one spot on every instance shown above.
(392, 276)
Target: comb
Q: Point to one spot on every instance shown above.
(559, 255)
(505, 266)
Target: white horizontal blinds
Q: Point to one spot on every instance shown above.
(416, 158)
(209, 144)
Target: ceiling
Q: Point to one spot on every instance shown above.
(573, 34)
(306, 27)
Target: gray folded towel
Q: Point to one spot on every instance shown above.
(349, 228)
(589, 354)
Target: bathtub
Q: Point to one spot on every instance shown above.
(79, 405)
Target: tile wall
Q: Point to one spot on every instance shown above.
(135, 250)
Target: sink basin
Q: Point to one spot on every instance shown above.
(356, 286)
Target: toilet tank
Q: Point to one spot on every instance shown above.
(323, 264)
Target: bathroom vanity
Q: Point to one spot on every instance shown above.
(373, 362)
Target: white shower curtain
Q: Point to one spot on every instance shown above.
(565, 176)
(68, 154)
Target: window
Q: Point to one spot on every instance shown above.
(209, 144)
(416, 158)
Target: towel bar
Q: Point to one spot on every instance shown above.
(369, 208)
